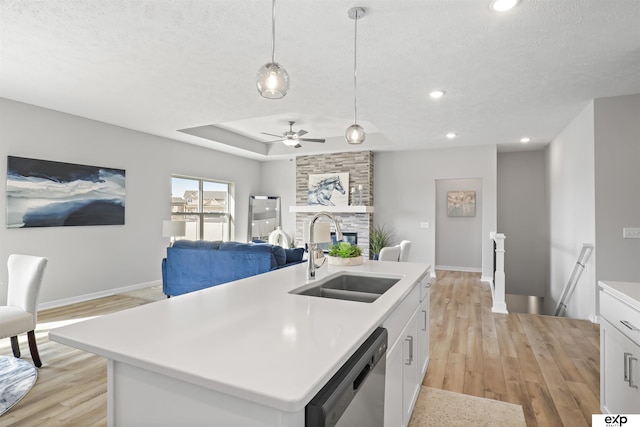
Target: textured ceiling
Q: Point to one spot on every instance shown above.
(161, 66)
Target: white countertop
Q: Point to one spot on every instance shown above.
(250, 338)
(628, 292)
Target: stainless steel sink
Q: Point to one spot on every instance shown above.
(349, 286)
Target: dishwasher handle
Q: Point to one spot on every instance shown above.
(361, 377)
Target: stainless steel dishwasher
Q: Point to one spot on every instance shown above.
(354, 396)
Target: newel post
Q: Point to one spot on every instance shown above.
(499, 303)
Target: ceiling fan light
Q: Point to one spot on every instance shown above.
(272, 81)
(291, 142)
(503, 5)
(355, 134)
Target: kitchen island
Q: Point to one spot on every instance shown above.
(243, 353)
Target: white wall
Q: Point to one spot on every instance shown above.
(278, 178)
(458, 239)
(405, 195)
(571, 189)
(617, 172)
(523, 216)
(91, 261)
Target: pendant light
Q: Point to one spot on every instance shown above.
(355, 133)
(272, 80)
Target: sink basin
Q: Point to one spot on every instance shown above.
(349, 286)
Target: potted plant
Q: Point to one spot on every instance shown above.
(344, 253)
(379, 237)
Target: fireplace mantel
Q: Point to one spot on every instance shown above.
(331, 209)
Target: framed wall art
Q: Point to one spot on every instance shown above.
(328, 189)
(44, 193)
(461, 203)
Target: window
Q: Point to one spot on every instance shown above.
(205, 205)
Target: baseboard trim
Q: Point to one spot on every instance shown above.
(95, 295)
(455, 268)
(488, 279)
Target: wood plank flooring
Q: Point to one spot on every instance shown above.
(548, 365)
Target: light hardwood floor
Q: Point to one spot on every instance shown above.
(550, 366)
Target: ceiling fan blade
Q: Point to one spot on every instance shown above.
(301, 132)
(311, 139)
(276, 140)
(271, 134)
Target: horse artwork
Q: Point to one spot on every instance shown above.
(323, 187)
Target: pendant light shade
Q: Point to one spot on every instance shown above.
(272, 80)
(355, 134)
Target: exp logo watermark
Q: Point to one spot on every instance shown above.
(615, 420)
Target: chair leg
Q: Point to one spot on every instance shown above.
(34, 349)
(15, 346)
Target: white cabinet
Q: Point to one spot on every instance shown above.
(407, 356)
(423, 329)
(393, 386)
(620, 372)
(619, 350)
(410, 383)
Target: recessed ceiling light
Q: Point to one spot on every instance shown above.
(525, 140)
(437, 94)
(451, 135)
(502, 5)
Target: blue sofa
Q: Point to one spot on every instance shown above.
(194, 265)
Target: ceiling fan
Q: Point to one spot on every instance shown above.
(292, 138)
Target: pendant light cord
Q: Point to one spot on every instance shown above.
(355, 70)
(273, 30)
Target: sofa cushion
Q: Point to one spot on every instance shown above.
(278, 257)
(294, 255)
(188, 270)
(197, 244)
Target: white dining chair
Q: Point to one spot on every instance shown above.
(20, 315)
(389, 253)
(405, 248)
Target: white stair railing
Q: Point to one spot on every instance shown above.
(578, 268)
(498, 286)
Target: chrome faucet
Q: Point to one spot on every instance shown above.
(311, 265)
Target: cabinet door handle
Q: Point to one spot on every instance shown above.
(409, 339)
(626, 366)
(424, 328)
(629, 325)
(631, 384)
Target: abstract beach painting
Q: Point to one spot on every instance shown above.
(43, 193)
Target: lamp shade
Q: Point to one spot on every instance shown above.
(174, 228)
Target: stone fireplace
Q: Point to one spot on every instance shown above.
(353, 219)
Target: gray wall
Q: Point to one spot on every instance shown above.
(593, 191)
(277, 178)
(571, 192)
(405, 194)
(86, 262)
(458, 239)
(523, 216)
(617, 189)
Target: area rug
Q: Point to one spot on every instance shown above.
(17, 376)
(444, 408)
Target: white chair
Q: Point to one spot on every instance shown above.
(20, 314)
(389, 253)
(405, 248)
